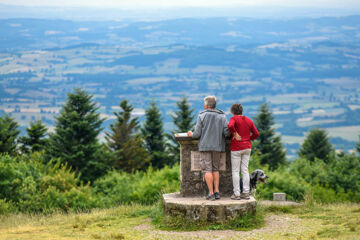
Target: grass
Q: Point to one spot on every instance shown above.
(316, 221)
(280, 209)
(114, 223)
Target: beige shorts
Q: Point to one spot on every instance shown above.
(210, 161)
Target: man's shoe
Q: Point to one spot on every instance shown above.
(234, 197)
(245, 196)
(217, 195)
(210, 197)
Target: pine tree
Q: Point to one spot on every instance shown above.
(184, 117)
(268, 143)
(153, 133)
(183, 120)
(316, 145)
(35, 139)
(8, 134)
(124, 141)
(357, 146)
(75, 138)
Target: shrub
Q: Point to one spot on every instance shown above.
(313, 173)
(141, 187)
(114, 187)
(337, 180)
(33, 185)
(282, 180)
(6, 207)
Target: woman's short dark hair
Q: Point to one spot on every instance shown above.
(236, 109)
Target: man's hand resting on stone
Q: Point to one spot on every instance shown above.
(189, 133)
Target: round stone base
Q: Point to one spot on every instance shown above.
(199, 209)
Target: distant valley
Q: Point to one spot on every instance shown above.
(308, 69)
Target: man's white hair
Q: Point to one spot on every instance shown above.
(210, 101)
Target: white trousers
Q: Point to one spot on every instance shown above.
(240, 160)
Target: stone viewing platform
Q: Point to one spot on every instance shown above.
(190, 203)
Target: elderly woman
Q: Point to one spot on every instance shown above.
(244, 131)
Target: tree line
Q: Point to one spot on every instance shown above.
(130, 146)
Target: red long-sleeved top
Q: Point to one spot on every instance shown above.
(245, 127)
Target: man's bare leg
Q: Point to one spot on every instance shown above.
(209, 182)
(216, 177)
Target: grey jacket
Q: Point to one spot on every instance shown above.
(212, 128)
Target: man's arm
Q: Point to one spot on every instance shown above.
(198, 128)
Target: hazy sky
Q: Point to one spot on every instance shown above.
(188, 3)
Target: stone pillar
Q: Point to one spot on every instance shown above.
(191, 177)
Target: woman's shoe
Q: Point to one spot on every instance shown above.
(245, 196)
(234, 197)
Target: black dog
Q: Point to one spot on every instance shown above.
(255, 177)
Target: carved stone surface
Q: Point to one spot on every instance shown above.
(199, 209)
(195, 161)
(191, 179)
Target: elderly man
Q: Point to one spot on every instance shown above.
(211, 127)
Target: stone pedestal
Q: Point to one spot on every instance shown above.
(191, 177)
(199, 209)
